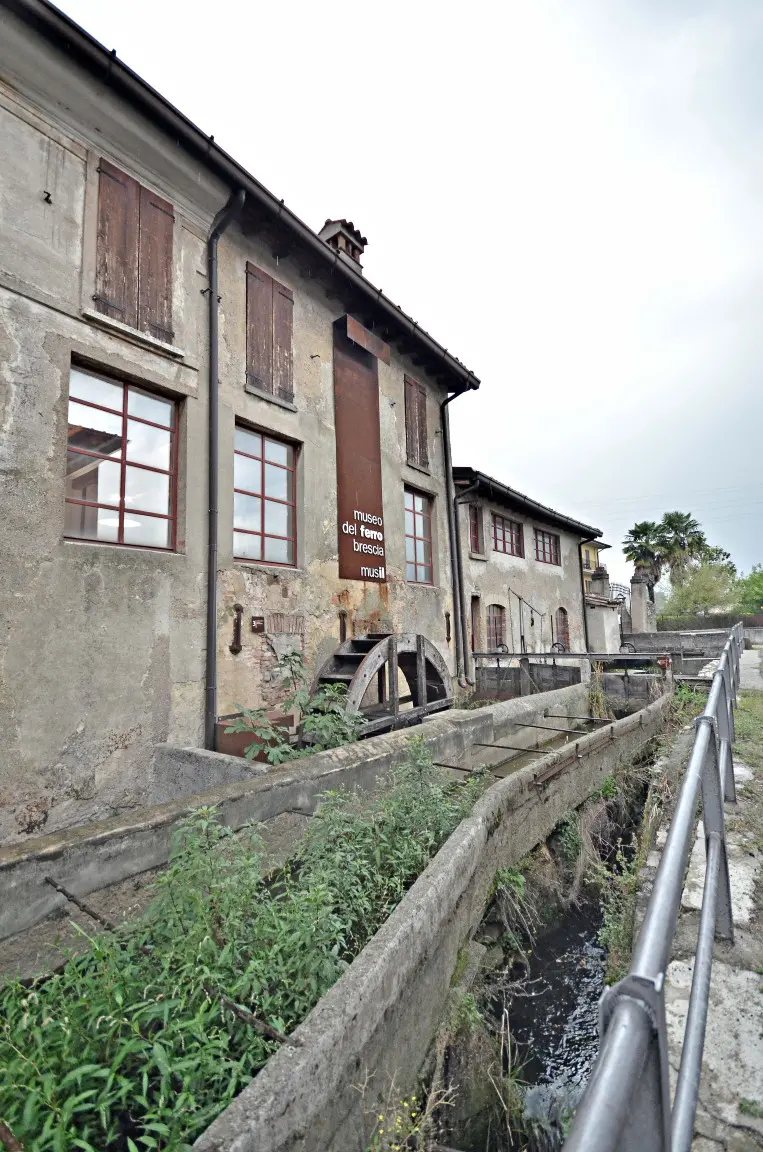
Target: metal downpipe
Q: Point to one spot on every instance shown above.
(459, 619)
(222, 220)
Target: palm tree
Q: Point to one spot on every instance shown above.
(642, 545)
(680, 539)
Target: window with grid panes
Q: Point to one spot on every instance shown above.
(418, 537)
(121, 463)
(475, 529)
(507, 536)
(547, 547)
(264, 512)
(496, 626)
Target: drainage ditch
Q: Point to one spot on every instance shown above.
(519, 1047)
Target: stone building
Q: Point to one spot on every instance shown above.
(305, 496)
(604, 609)
(523, 574)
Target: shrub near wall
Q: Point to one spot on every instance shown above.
(703, 623)
(143, 1042)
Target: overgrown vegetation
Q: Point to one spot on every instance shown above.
(142, 1042)
(598, 704)
(324, 723)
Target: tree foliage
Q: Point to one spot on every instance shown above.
(676, 543)
(708, 588)
(749, 591)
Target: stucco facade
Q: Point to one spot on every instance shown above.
(504, 572)
(103, 648)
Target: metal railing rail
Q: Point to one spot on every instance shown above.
(626, 1106)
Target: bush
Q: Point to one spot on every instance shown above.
(144, 1041)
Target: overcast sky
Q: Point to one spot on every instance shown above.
(567, 194)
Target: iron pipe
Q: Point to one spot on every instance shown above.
(222, 220)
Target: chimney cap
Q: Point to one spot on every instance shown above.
(331, 227)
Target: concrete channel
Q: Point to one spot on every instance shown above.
(377, 1023)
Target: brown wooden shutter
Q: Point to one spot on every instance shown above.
(283, 314)
(411, 432)
(157, 223)
(259, 329)
(416, 447)
(116, 279)
(421, 404)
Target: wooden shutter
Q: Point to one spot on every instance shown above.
(259, 329)
(416, 448)
(283, 314)
(157, 223)
(116, 280)
(411, 433)
(421, 398)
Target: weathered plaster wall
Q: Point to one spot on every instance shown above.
(545, 586)
(375, 1026)
(603, 628)
(302, 604)
(103, 647)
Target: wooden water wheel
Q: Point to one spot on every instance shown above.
(372, 667)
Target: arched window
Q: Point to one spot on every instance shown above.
(562, 628)
(496, 626)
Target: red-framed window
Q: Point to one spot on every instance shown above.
(121, 464)
(547, 547)
(496, 626)
(264, 503)
(418, 537)
(475, 529)
(508, 536)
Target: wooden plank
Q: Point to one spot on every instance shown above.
(394, 696)
(157, 226)
(116, 278)
(283, 319)
(421, 672)
(259, 329)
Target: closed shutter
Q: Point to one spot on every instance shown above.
(116, 280)
(416, 446)
(411, 415)
(283, 314)
(423, 448)
(259, 329)
(157, 222)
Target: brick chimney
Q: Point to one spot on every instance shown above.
(344, 238)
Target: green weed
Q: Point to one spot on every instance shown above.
(325, 721)
(141, 1043)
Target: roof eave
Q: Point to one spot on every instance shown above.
(62, 31)
(500, 493)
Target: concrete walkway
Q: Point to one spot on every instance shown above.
(730, 1112)
(750, 668)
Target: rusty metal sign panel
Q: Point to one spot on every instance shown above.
(360, 509)
(372, 343)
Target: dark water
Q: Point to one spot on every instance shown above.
(556, 1029)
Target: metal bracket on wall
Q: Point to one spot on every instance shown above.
(237, 645)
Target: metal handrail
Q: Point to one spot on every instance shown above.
(626, 1106)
